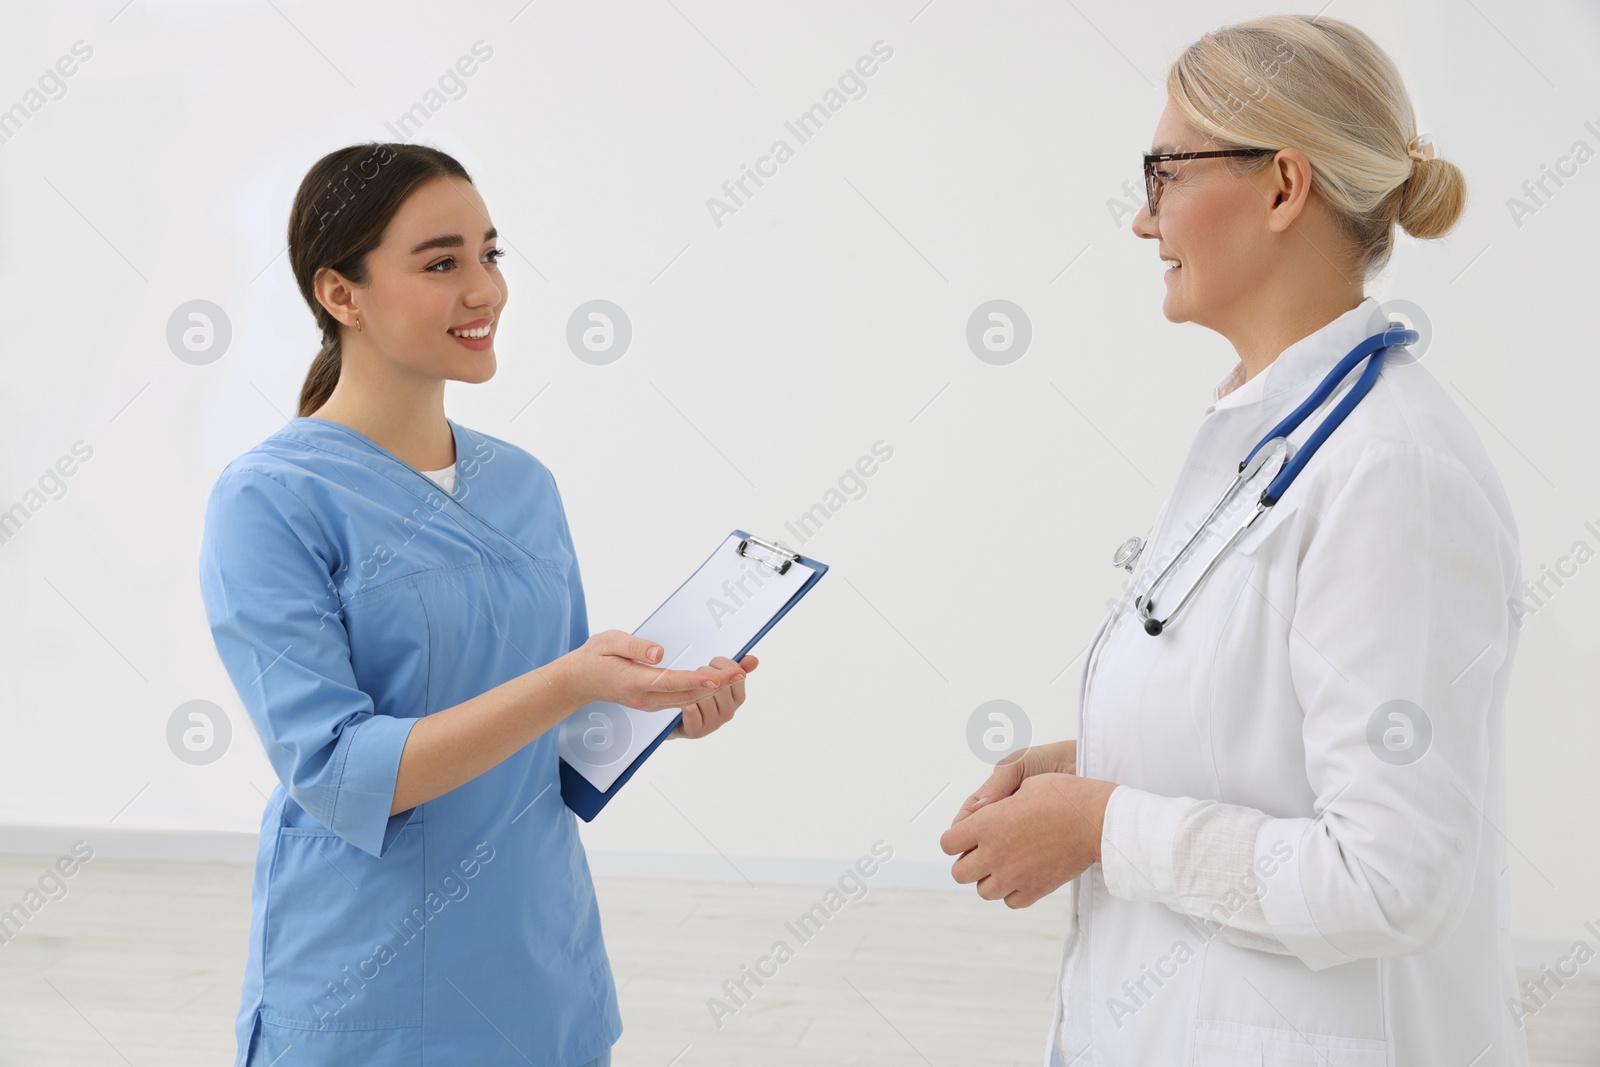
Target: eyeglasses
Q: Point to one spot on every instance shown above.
(1155, 181)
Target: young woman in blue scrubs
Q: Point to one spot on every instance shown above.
(396, 598)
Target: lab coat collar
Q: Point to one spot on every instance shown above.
(1304, 362)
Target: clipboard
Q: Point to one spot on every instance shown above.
(722, 609)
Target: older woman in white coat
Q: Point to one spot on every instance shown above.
(1279, 818)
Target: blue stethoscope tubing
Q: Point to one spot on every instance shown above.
(1276, 445)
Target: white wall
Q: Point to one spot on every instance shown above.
(823, 316)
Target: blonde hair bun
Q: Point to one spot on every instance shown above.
(1432, 199)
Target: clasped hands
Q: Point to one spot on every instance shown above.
(1031, 828)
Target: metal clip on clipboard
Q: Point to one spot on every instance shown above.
(775, 549)
(687, 628)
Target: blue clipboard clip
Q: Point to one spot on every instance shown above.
(580, 794)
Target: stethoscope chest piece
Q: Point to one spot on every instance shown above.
(1127, 554)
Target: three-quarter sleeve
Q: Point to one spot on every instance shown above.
(1399, 632)
(276, 619)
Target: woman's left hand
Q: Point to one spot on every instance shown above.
(704, 716)
(1026, 846)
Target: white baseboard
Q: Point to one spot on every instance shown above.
(221, 846)
(117, 843)
(1533, 953)
(769, 870)
(224, 846)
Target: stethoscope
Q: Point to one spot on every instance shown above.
(1274, 446)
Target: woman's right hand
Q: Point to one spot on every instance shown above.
(1058, 758)
(616, 667)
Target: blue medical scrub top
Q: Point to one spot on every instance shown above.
(349, 595)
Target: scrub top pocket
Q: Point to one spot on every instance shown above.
(337, 959)
(464, 608)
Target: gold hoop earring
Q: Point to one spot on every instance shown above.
(358, 325)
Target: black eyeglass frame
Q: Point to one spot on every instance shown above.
(1152, 197)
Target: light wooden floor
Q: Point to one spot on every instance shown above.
(140, 965)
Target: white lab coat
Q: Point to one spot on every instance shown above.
(1358, 893)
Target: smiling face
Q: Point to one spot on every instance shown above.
(433, 276)
(1214, 219)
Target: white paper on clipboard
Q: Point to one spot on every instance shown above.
(717, 612)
